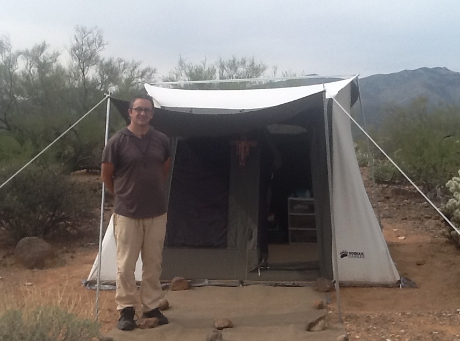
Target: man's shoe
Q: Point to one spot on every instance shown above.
(156, 313)
(126, 320)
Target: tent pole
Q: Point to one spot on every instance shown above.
(331, 204)
(398, 168)
(370, 160)
(101, 222)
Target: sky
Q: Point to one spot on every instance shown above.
(328, 37)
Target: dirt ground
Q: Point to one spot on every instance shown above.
(413, 232)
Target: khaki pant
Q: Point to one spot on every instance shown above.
(133, 236)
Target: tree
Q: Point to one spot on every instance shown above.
(186, 71)
(8, 79)
(223, 69)
(87, 44)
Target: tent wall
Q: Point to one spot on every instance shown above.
(363, 254)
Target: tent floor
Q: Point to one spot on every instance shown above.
(289, 262)
(258, 312)
(288, 253)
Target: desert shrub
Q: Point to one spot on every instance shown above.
(41, 202)
(452, 208)
(424, 142)
(386, 172)
(46, 323)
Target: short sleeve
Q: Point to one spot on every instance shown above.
(110, 151)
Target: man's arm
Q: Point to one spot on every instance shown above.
(107, 170)
(166, 167)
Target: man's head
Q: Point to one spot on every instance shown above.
(141, 110)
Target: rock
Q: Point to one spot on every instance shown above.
(34, 253)
(179, 283)
(214, 335)
(343, 338)
(318, 304)
(323, 285)
(420, 262)
(387, 215)
(221, 323)
(164, 304)
(146, 323)
(317, 325)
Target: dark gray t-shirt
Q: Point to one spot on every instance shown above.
(139, 181)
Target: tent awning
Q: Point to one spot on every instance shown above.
(187, 113)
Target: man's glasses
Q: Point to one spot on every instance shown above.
(139, 110)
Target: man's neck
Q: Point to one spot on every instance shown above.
(139, 131)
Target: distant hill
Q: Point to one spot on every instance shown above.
(438, 84)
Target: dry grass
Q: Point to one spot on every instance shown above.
(28, 297)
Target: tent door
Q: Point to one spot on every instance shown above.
(290, 235)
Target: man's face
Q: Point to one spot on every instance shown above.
(141, 113)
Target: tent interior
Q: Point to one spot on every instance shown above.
(200, 188)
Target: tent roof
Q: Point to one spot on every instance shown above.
(181, 112)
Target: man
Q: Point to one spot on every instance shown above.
(135, 164)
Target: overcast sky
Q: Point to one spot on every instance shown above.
(329, 37)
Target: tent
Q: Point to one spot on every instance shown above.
(219, 139)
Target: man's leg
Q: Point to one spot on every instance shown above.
(128, 234)
(151, 290)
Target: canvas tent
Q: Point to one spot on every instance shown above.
(214, 199)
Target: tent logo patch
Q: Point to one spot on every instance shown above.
(351, 254)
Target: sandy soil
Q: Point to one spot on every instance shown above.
(414, 235)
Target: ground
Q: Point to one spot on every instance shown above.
(413, 232)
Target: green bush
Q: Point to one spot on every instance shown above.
(46, 323)
(41, 202)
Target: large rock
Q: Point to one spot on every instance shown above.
(34, 253)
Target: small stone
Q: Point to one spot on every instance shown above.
(179, 283)
(323, 285)
(164, 304)
(420, 262)
(146, 323)
(214, 335)
(343, 338)
(221, 323)
(401, 238)
(28, 284)
(318, 304)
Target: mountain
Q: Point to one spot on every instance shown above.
(439, 85)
